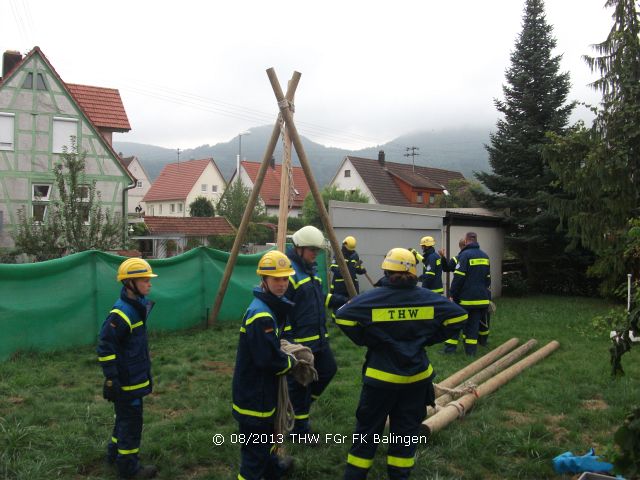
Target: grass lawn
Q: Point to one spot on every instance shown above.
(55, 424)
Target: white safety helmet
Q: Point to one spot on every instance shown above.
(308, 236)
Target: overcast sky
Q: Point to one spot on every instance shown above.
(193, 72)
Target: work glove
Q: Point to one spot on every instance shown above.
(111, 389)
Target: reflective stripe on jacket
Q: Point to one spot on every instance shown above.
(123, 349)
(472, 278)
(432, 271)
(306, 322)
(355, 269)
(259, 363)
(396, 323)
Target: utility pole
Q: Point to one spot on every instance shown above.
(178, 150)
(412, 155)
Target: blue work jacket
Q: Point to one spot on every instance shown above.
(396, 323)
(472, 278)
(355, 268)
(432, 271)
(259, 359)
(306, 322)
(123, 348)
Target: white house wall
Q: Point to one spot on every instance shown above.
(137, 194)
(210, 176)
(353, 182)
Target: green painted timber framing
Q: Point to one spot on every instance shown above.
(62, 303)
(31, 158)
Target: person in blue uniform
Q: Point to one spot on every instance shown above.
(395, 322)
(306, 322)
(470, 289)
(260, 362)
(123, 352)
(449, 264)
(354, 265)
(431, 277)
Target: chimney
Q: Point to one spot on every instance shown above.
(10, 59)
(272, 162)
(381, 157)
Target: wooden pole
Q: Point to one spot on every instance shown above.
(475, 367)
(324, 216)
(283, 212)
(483, 362)
(486, 373)
(459, 407)
(244, 223)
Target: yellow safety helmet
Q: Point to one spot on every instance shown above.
(349, 242)
(427, 242)
(275, 264)
(399, 260)
(134, 268)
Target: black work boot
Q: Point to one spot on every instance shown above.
(145, 471)
(285, 465)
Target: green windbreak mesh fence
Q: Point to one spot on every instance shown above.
(62, 303)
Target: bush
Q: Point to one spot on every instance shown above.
(514, 284)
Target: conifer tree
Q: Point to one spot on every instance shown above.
(535, 102)
(599, 167)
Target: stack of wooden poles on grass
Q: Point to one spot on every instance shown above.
(479, 379)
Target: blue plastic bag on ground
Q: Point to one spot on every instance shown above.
(567, 462)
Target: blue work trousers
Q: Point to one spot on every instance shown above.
(124, 446)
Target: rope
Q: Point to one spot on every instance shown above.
(304, 373)
(455, 392)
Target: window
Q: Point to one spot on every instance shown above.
(28, 81)
(82, 193)
(432, 199)
(63, 130)
(179, 207)
(40, 195)
(160, 209)
(39, 212)
(40, 83)
(419, 197)
(7, 121)
(139, 184)
(347, 173)
(152, 210)
(203, 187)
(214, 188)
(41, 192)
(173, 208)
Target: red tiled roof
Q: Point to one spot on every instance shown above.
(190, 226)
(176, 180)
(103, 106)
(270, 191)
(379, 179)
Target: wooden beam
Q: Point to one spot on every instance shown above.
(302, 156)
(244, 223)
